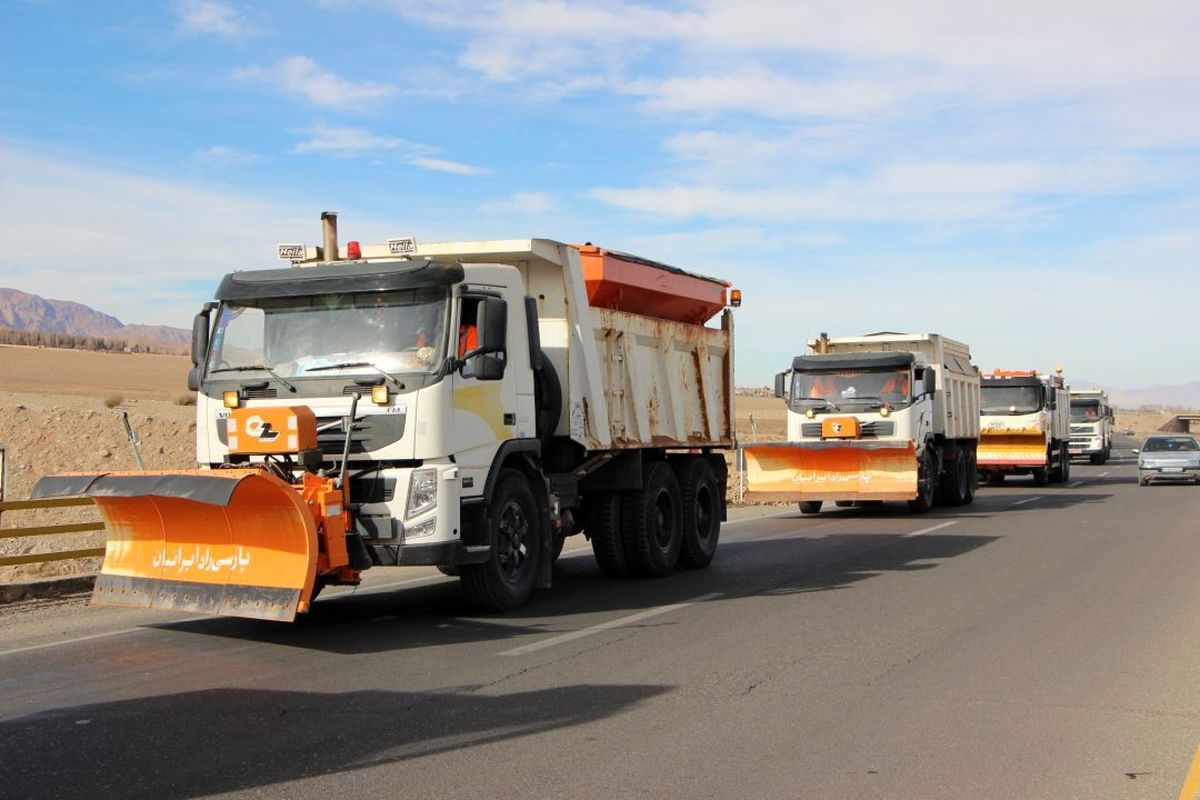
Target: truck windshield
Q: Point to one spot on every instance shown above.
(1085, 411)
(1010, 399)
(396, 332)
(841, 387)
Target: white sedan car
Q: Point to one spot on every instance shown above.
(1169, 458)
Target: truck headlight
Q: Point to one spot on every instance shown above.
(426, 528)
(422, 492)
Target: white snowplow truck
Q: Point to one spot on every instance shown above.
(465, 405)
(1091, 425)
(888, 416)
(1024, 427)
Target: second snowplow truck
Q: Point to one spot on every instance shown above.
(464, 405)
(1024, 429)
(888, 416)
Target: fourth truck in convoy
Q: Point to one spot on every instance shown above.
(465, 405)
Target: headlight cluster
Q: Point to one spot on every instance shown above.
(422, 492)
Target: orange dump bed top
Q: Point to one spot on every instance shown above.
(624, 282)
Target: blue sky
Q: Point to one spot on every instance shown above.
(1022, 175)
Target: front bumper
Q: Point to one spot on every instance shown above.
(1168, 474)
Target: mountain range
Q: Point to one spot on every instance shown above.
(22, 311)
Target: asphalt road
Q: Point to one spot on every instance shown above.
(1041, 643)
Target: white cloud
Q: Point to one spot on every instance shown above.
(526, 203)
(346, 142)
(920, 192)
(222, 156)
(209, 16)
(302, 76)
(855, 57)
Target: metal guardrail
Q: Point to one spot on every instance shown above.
(46, 530)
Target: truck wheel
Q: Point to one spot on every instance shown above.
(1066, 463)
(926, 481)
(650, 519)
(995, 479)
(844, 503)
(1058, 472)
(700, 505)
(810, 506)
(1096, 458)
(954, 479)
(507, 579)
(972, 476)
(1041, 476)
(604, 529)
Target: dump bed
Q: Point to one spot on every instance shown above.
(956, 403)
(629, 380)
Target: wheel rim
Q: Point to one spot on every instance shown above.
(512, 541)
(664, 520)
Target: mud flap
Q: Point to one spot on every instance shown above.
(1011, 450)
(791, 472)
(224, 542)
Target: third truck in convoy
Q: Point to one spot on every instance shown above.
(888, 416)
(1024, 426)
(1091, 425)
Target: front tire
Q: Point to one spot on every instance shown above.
(810, 506)
(954, 480)
(926, 484)
(506, 580)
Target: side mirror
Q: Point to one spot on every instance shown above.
(200, 327)
(930, 380)
(193, 383)
(493, 326)
(1135, 451)
(781, 385)
(489, 368)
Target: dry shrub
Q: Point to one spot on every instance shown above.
(188, 399)
(113, 400)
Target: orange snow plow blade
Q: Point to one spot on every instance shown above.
(237, 542)
(1011, 450)
(788, 472)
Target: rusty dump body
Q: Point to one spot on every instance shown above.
(237, 542)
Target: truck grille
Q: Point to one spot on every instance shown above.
(254, 394)
(873, 428)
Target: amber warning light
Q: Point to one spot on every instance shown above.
(735, 297)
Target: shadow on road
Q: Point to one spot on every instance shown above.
(886, 553)
(224, 740)
(436, 616)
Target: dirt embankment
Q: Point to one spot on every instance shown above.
(55, 417)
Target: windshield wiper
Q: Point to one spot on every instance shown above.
(257, 368)
(820, 400)
(350, 364)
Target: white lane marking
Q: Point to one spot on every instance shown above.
(1102, 474)
(930, 529)
(1074, 484)
(604, 626)
(88, 638)
(1027, 500)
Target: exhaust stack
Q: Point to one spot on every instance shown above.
(329, 235)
